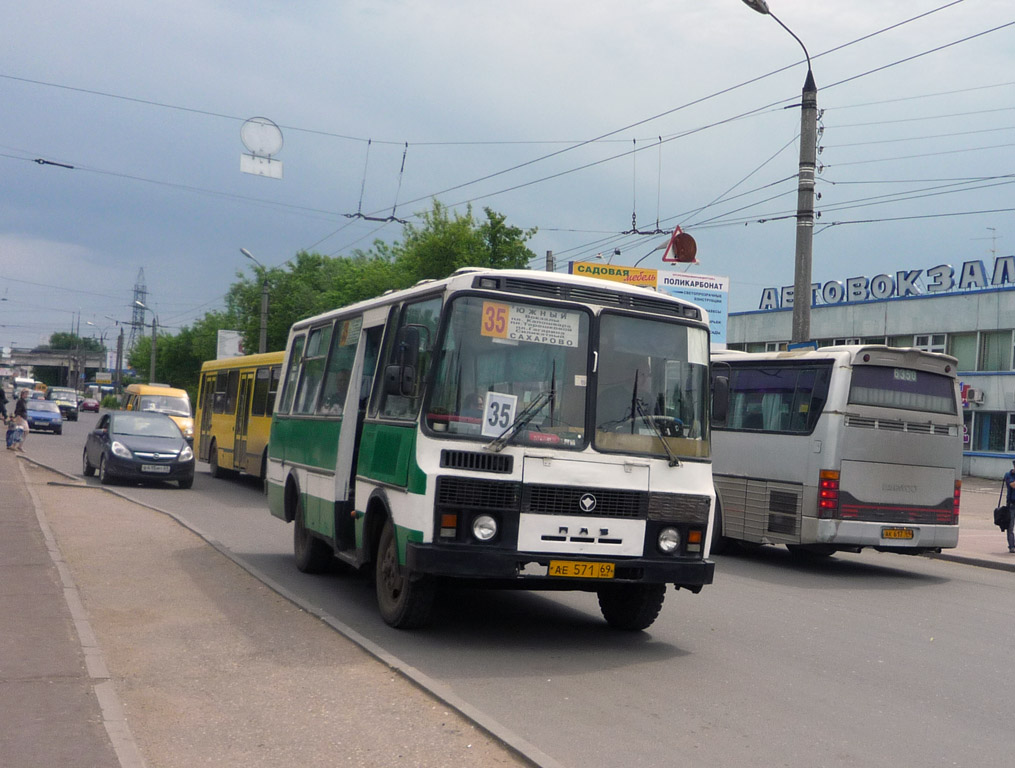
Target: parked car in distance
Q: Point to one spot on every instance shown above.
(44, 415)
(138, 447)
(67, 399)
(89, 404)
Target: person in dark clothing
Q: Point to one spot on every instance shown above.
(3, 403)
(1009, 482)
(21, 416)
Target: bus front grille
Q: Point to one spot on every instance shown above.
(567, 500)
(478, 462)
(465, 492)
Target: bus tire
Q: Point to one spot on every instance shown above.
(312, 554)
(213, 461)
(404, 602)
(631, 607)
(720, 544)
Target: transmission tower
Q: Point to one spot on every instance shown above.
(137, 318)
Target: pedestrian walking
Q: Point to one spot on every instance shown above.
(21, 418)
(3, 403)
(1009, 483)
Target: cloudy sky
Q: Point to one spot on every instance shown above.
(578, 118)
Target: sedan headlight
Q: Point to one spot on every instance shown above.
(121, 450)
(186, 454)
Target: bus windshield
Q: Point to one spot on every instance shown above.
(500, 358)
(176, 406)
(652, 386)
(904, 388)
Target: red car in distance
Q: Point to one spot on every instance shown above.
(89, 404)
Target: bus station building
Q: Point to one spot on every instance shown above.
(967, 312)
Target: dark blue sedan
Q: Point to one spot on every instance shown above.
(138, 447)
(44, 415)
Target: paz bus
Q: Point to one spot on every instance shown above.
(512, 429)
(235, 400)
(839, 448)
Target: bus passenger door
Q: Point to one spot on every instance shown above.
(357, 397)
(205, 404)
(242, 421)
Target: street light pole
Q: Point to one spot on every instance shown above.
(262, 341)
(805, 191)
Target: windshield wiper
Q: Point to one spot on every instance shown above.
(673, 460)
(524, 417)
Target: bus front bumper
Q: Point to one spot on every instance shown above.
(530, 570)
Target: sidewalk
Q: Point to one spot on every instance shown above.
(126, 640)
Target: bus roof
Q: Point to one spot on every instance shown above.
(533, 284)
(244, 361)
(851, 354)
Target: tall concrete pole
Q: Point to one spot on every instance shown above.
(805, 212)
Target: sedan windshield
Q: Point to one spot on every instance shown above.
(652, 387)
(148, 426)
(43, 405)
(514, 371)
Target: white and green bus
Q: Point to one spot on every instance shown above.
(502, 428)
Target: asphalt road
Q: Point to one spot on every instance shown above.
(871, 659)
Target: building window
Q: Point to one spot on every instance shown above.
(900, 341)
(775, 346)
(930, 342)
(846, 340)
(995, 351)
(962, 346)
(875, 340)
(1011, 433)
(990, 430)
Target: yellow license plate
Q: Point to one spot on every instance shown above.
(571, 569)
(896, 533)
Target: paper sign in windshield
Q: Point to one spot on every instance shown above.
(540, 325)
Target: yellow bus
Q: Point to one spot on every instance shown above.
(234, 406)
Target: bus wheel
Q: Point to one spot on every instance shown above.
(404, 602)
(213, 461)
(720, 544)
(631, 606)
(312, 554)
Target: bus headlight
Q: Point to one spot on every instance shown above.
(484, 527)
(669, 540)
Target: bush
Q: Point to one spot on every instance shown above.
(112, 402)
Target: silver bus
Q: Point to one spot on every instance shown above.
(839, 448)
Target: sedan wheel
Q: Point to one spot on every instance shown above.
(86, 466)
(104, 477)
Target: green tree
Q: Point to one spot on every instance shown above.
(65, 340)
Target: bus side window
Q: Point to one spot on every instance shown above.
(292, 374)
(219, 399)
(269, 404)
(312, 374)
(423, 316)
(259, 400)
(231, 387)
(343, 354)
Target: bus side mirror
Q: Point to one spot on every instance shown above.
(720, 400)
(400, 378)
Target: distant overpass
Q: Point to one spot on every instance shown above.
(68, 360)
